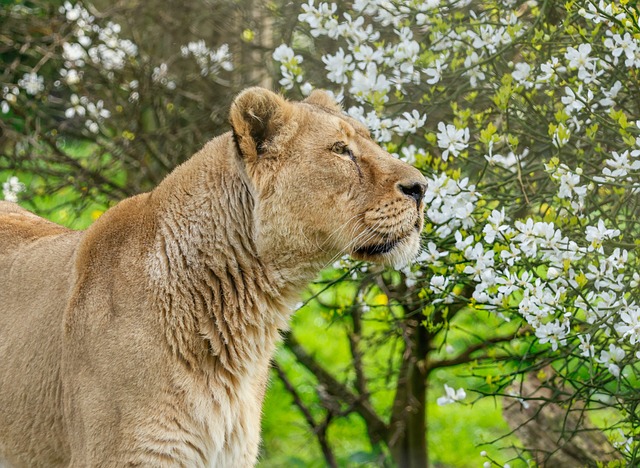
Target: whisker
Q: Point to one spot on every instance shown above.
(338, 229)
(321, 246)
(368, 234)
(352, 228)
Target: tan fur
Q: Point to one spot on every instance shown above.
(146, 339)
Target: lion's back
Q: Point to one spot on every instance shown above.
(36, 274)
(19, 226)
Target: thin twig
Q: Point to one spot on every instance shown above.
(320, 430)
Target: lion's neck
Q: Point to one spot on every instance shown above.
(220, 303)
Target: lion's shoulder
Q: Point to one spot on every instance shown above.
(19, 226)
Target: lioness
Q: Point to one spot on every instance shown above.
(145, 340)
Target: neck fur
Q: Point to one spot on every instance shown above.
(221, 304)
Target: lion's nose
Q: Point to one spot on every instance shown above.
(414, 190)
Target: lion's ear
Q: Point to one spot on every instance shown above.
(321, 98)
(257, 115)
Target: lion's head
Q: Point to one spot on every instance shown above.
(323, 187)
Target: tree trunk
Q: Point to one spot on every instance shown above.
(408, 431)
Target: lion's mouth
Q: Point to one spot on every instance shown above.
(377, 249)
(386, 246)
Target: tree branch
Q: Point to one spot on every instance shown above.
(354, 342)
(320, 430)
(465, 356)
(376, 426)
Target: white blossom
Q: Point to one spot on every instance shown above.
(611, 358)
(76, 14)
(622, 45)
(495, 226)
(521, 74)
(586, 348)
(452, 139)
(32, 83)
(410, 122)
(595, 235)
(629, 326)
(554, 332)
(619, 165)
(283, 53)
(92, 126)
(431, 255)
(338, 65)
(354, 31)
(97, 111)
(317, 18)
(71, 76)
(306, 88)
(365, 84)
(439, 283)
(550, 70)
(474, 71)
(451, 395)
(9, 98)
(489, 37)
(74, 53)
(77, 108)
(213, 61)
(611, 95)
(602, 13)
(435, 71)
(365, 54)
(573, 101)
(579, 58)
(408, 154)
(161, 75)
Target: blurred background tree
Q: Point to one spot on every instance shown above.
(115, 95)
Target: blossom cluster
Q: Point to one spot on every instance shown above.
(102, 46)
(548, 301)
(11, 188)
(450, 204)
(533, 160)
(210, 61)
(9, 97)
(82, 107)
(82, 102)
(94, 46)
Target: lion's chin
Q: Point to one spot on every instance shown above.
(395, 253)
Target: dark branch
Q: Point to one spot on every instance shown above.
(466, 355)
(354, 343)
(360, 404)
(320, 430)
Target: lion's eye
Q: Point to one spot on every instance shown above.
(342, 148)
